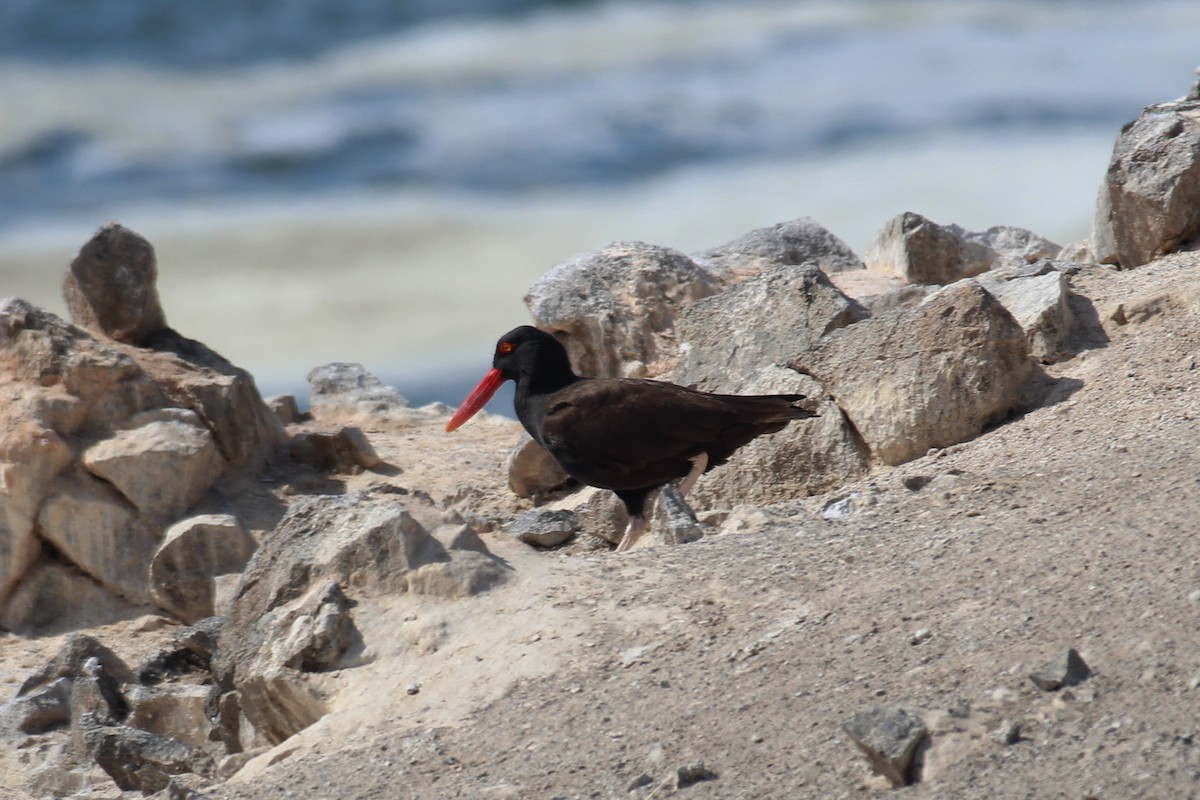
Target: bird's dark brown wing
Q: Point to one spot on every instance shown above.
(621, 434)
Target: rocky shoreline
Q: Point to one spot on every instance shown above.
(217, 584)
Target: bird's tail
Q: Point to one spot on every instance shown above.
(769, 408)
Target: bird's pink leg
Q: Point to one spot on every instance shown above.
(637, 524)
(698, 464)
(635, 528)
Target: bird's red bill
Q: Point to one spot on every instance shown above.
(476, 400)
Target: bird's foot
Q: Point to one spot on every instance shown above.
(633, 531)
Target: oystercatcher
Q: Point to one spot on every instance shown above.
(625, 434)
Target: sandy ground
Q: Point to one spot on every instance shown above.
(951, 578)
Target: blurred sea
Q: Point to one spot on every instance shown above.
(381, 180)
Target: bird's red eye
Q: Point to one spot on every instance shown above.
(505, 347)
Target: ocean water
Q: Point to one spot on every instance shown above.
(380, 181)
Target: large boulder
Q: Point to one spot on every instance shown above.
(922, 251)
(615, 308)
(1149, 203)
(765, 320)
(111, 288)
(363, 542)
(161, 461)
(98, 531)
(928, 377)
(794, 243)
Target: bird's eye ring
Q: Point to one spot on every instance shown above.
(505, 347)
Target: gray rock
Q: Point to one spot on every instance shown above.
(350, 389)
(851, 504)
(922, 251)
(598, 511)
(1010, 244)
(193, 553)
(345, 451)
(318, 630)
(111, 286)
(176, 711)
(1078, 253)
(673, 521)
(692, 773)
(96, 694)
(357, 443)
(799, 241)
(1068, 669)
(890, 738)
(37, 711)
(544, 527)
(69, 662)
(1149, 202)
(143, 761)
(532, 471)
(1007, 732)
(641, 780)
(191, 650)
(930, 377)
(615, 308)
(768, 319)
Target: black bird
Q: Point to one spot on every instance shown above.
(628, 435)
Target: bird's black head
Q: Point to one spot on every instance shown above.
(533, 354)
(534, 359)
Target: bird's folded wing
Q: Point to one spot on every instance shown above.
(631, 422)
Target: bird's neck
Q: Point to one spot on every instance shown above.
(536, 389)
